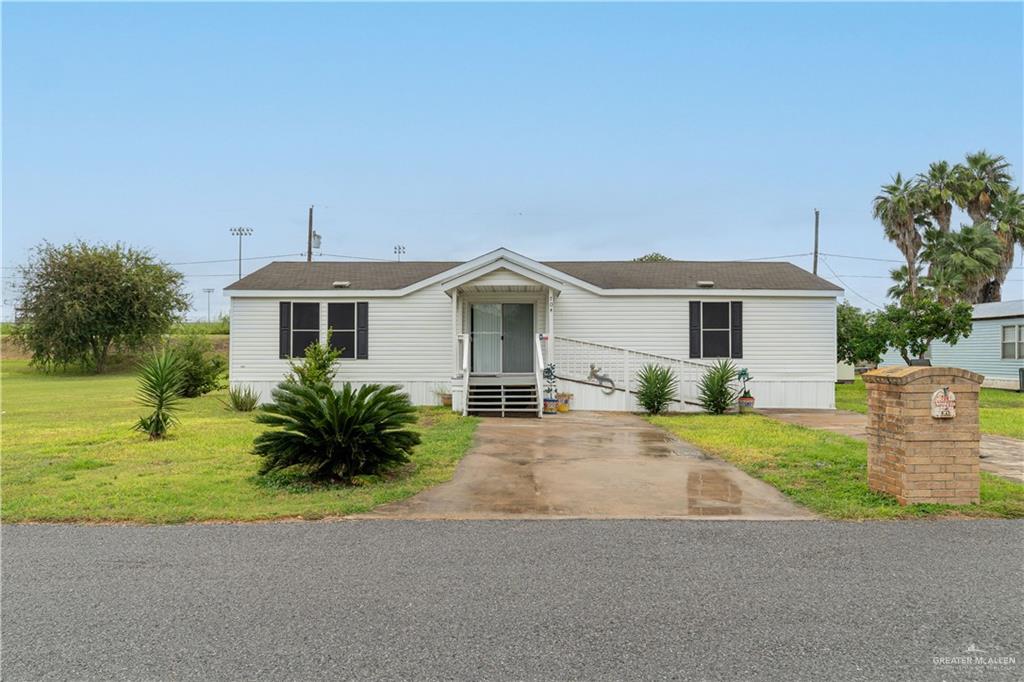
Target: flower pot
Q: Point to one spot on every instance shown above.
(550, 405)
(446, 399)
(746, 404)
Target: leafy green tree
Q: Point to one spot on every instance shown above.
(202, 367)
(317, 364)
(898, 207)
(916, 321)
(81, 300)
(652, 257)
(859, 338)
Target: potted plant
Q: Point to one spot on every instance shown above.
(550, 384)
(444, 395)
(564, 400)
(746, 401)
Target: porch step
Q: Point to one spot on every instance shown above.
(503, 400)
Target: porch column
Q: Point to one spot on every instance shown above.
(550, 350)
(456, 360)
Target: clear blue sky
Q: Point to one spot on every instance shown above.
(561, 131)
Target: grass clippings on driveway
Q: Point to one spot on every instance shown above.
(1001, 412)
(70, 454)
(826, 472)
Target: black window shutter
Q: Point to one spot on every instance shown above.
(362, 331)
(737, 329)
(694, 329)
(284, 346)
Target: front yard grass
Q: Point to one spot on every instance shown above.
(69, 454)
(1001, 412)
(825, 472)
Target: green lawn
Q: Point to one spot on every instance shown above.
(1001, 412)
(69, 454)
(823, 471)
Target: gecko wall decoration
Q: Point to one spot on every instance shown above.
(606, 382)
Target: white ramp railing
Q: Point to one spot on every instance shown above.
(538, 371)
(606, 366)
(464, 340)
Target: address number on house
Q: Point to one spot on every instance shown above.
(943, 404)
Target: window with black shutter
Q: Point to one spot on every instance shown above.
(715, 330)
(305, 327)
(341, 320)
(349, 329)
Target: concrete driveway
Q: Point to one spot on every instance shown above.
(1000, 455)
(591, 465)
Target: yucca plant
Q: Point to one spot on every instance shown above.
(335, 435)
(160, 380)
(715, 390)
(242, 399)
(657, 387)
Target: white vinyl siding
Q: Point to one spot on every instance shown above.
(981, 352)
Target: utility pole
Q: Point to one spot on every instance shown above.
(309, 237)
(208, 292)
(817, 215)
(240, 232)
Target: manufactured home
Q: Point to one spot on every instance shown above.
(995, 348)
(483, 330)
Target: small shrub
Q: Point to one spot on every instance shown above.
(657, 388)
(335, 435)
(715, 391)
(316, 366)
(160, 380)
(202, 368)
(242, 398)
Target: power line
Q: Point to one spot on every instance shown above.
(789, 255)
(881, 260)
(341, 255)
(847, 286)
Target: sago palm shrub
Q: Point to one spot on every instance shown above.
(335, 435)
(715, 390)
(656, 388)
(160, 380)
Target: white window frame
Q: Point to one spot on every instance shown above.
(1015, 343)
(728, 330)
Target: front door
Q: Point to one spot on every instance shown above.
(502, 338)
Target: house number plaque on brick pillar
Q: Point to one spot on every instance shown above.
(923, 436)
(943, 404)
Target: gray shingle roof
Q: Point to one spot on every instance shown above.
(370, 276)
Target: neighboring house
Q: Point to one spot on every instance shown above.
(994, 349)
(486, 327)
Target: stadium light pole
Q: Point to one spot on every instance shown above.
(208, 292)
(240, 232)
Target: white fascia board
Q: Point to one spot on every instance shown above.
(395, 293)
(503, 264)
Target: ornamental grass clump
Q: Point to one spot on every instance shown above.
(161, 377)
(715, 391)
(335, 435)
(242, 399)
(657, 388)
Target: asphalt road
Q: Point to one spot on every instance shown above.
(513, 600)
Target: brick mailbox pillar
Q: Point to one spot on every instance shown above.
(923, 437)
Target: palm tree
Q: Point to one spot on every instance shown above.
(963, 261)
(978, 181)
(898, 208)
(936, 187)
(901, 282)
(1008, 220)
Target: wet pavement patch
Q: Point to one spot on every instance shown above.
(591, 465)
